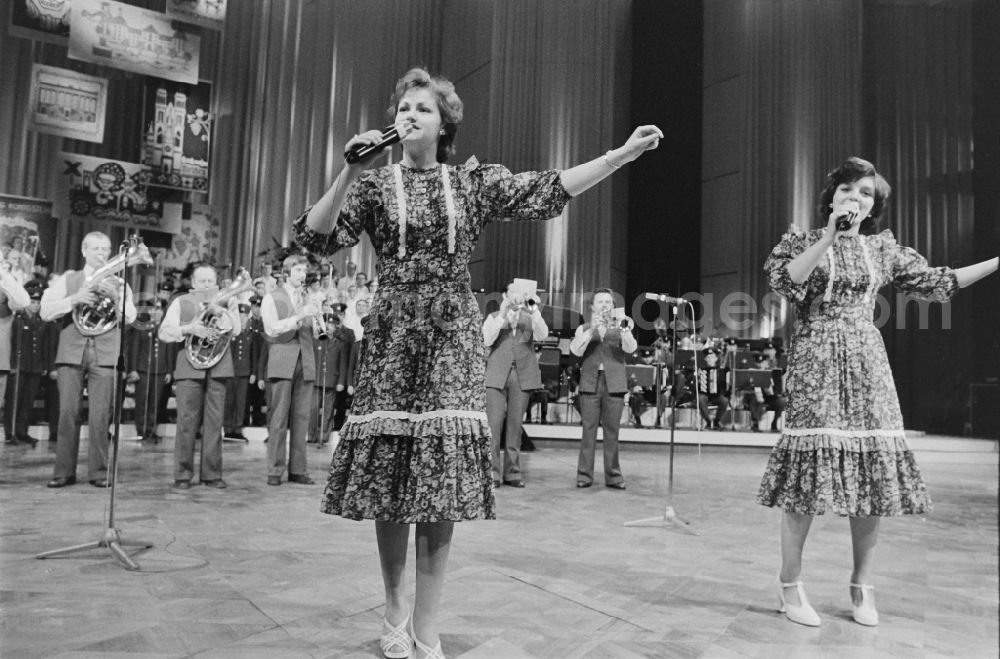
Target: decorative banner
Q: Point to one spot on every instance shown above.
(27, 234)
(67, 103)
(113, 191)
(133, 39)
(42, 20)
(206, 13)
(198, 239)
(178, 135)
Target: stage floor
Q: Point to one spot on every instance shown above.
(257, 571)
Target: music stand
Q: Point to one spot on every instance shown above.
(669, 519)
(112, 536)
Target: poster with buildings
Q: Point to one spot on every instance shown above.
(41, 20)
(178, 135)
(67, 103)
(133, 39)
(206, 13)
(113, 191)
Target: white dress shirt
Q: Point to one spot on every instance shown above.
(274, 326)
(56, 303)
(170, 326)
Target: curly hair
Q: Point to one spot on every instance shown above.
(449, 105)
(851, 170)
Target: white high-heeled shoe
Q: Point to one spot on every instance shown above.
(865, 613)
(428, 651)
(802, 612)
(396, 642)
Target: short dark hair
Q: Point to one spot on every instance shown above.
(202, 264)
(849, 171)
(449, 105)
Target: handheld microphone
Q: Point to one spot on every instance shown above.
(390, 135)
(665, 298)
(846, 222)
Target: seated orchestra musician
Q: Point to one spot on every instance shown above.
(769, 398)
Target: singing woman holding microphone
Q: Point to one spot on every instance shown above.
(416, 446)
(843, 450)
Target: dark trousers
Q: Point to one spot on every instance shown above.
(100, 389)
(18, 413)
(51, 409)
(508, 405)
(321, 413)
(148, 396)
(720, 401)
(540, 398)
(236, 403)
(600, 408)
(284, 396)
(256, 405)
(191, 394)
(772, 402)
(344, 402)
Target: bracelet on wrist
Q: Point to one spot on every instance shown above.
(610, 163)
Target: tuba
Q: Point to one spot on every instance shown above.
(206, 353)
(102, 316)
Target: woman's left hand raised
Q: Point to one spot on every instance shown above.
(642, 139)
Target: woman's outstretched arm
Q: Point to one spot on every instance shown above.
(970, 274)
(584, 176)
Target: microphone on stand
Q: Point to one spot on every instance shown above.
(390, 135)
(665, 298)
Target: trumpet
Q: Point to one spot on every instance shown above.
(102, 316)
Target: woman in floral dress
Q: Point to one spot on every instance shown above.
(415, 448)
(843, 449)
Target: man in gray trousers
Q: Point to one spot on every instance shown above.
(601, 344)
(291, 370)
(511, 373)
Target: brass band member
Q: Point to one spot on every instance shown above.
(511, 373)
(151, 365)
(334, 374)
(30, 361)
(601, 346)
(80, 357)
(13, 297)
(291, 370)
(242, 349)
(201, 392)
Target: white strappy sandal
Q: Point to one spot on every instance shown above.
(396, 642)
(802, 612)
(428, 651)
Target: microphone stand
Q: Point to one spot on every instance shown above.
(16, 337)
(321, 440)
(112, 536)
(669, 519)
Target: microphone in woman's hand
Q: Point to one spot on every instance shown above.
(847, 221)
(390, 135)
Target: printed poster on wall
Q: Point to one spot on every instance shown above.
(27, 234)
(67, 103)
(113, 191)
(206, 13)
(41, 20)
(198, 239)
(133, 39)
(178, 131)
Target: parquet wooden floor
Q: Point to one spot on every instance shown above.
(256, 571)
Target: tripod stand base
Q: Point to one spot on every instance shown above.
(112, 540)
(668, 520)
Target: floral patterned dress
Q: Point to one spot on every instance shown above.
(416, 445)
(843, 449)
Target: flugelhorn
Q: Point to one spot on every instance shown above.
(207, 352)
(102, 316)
(320, 330)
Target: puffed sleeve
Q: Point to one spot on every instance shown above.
(356, 214)
(911, 273)
(792, 244)
(503, 196)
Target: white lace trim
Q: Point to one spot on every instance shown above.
(837, 432)
(414, 418)
(449, 204)
(831, 258)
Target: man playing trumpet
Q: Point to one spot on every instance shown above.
(87, 357)
(291, 369)
(511, 373)
(601, 346)
(201, 390)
